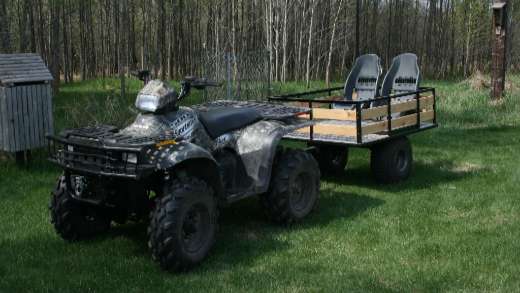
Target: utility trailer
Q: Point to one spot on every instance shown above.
(381, 124)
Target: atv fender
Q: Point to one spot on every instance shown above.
(196, 160)
(257, 146)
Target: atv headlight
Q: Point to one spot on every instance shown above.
(130, 158)
(147, 103)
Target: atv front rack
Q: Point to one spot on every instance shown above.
(99, 151)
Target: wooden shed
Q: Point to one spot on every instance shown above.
(25, 102)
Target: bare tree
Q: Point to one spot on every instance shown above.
(309, 45)
(5, 34)
(55, 43)
(332, 39)
(307, 39)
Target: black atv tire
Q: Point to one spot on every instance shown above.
(331, 159)
(74, 220)
(188, 207)
(294, 189)
(392, 161)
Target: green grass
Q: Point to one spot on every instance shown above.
(453, 226)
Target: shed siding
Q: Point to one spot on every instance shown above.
(25, 116)
(2, 118)
(50, 117)
(8, 123)
(38, 112)
(13, 116)
(25, 102)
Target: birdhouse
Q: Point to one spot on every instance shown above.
(499, 16)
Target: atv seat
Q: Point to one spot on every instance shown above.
(219, 121)
(362, 80)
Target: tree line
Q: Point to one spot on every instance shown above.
(305, 39)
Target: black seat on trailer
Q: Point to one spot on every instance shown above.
(222, 120)
(402, 77)
(363, 79)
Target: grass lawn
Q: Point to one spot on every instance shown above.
(453, 226)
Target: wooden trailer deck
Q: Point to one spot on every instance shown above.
(407, 113)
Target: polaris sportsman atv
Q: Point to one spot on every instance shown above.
(180, 165)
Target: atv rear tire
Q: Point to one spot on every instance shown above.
(183, 224)
(75, 220)
(392, 161)
(295, 185)
(332, 159)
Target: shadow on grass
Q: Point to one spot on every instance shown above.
(471, 138)
(424, 175)
(438, 158)
(245, 236)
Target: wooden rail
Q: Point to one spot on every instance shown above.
(375, 120)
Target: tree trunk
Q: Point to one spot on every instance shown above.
(5, 34)
(309, 45)
(331, 45)
(54, 37)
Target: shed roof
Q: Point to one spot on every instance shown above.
(18, 68)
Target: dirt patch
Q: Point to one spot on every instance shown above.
(478, 81)
(4, 156)
(510, 86)
(467, 167)
(496, 102)
(251, 236)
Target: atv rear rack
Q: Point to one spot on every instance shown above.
(389, 117)
(266, 110)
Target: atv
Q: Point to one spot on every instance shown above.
(178, 166)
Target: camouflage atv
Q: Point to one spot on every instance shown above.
(179, 165)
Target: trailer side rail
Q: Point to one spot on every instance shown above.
(389, 116)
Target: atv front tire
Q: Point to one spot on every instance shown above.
(294, 189)
(183, 224)
(75, 220)
(331, 159)
(392, 161)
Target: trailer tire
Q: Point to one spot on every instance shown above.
(183, 225)
(391, 162)
(294, 189)
(331, 159)
(74, 220)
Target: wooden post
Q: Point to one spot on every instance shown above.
(498, 67)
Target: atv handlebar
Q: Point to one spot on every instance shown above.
(143, 75)
(186, 84)
(198, 83)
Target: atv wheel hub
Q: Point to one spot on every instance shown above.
(195, 227)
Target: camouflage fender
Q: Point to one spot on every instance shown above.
(257, 146)
(167, 155)
(194, 159)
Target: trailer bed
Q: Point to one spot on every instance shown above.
(361, 125)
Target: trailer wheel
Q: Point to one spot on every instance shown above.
(294, 188)
(332, 159)
(392, 161)
(183, 224)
